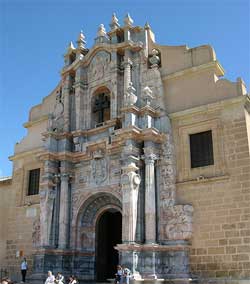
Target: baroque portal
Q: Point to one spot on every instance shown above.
(108, 188)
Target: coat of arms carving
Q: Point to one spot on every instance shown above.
(99, 167)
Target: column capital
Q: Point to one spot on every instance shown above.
(149, 155)
(127, 62)
(65, 176)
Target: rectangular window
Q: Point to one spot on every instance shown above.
(201, 149)
(34, 177)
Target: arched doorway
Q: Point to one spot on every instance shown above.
(108, 235)
(98, 211)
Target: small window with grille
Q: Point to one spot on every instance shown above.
(201, 149)
(34, 177)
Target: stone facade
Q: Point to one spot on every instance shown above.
(112, 141)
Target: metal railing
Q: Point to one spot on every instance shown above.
(3, 273)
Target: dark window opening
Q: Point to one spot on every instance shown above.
(101, 109)
(201, 149)
(34, 177)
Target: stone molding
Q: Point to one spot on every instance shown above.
(153, 247)
(219, 71)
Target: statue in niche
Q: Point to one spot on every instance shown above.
(56, 120)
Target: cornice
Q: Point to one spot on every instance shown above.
(201, 180)
(34, 122)
(5, 180)
(24, 154)
(219, 71)
(208, 107)
(141, 111)
(118, 140)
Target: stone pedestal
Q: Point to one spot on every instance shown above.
(68, 262)
(154, 263)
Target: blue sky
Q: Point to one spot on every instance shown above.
(34, 35)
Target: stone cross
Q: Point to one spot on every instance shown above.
(101, 104)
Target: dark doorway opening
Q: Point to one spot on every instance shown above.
(109, 234)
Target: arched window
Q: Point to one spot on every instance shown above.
(101, 108)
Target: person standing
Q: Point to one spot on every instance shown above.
(118, 275)
(24, 268)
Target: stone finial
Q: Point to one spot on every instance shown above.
(70, 47)
(148, 95)
(101, 31)
(114, 22)
(81, 40)
(147, 26)
(128, 21)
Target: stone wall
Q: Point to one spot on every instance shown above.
(6, 197)
(19, 219)
(219, 194)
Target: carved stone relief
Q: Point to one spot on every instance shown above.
(36, 234)
(179, 222)
(99, 65)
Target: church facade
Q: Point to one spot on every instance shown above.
(139, 156)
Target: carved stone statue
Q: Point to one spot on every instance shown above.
(56, 120)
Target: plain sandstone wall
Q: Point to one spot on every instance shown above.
(221, 237)
(23, 211)
(6, 198)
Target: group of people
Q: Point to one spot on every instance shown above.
(59, 279)
(122, 275)
(6, 280)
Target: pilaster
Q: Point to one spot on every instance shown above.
(130, 182)
(66, 95)
(47, 198)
